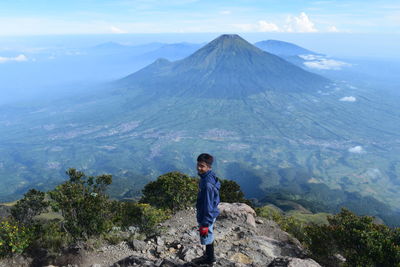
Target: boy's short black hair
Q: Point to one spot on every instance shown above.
(206, 158)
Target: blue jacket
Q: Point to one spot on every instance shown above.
(207, 199)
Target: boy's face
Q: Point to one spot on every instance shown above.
(202, 167)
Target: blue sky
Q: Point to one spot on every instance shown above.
(42, 17)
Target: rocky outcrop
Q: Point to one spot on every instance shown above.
(241, 239)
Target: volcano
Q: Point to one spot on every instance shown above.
(227, 67)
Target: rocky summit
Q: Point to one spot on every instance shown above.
(242, 239)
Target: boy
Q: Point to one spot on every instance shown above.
(207, 206)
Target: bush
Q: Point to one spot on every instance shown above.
(14, 239)
(173, 190)
(231, 192)
(143, 216)
(51, 237)
(84, 204)
(30, 206)
(357, 238)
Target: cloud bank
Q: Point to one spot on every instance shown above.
(19, 58)
(323, 63)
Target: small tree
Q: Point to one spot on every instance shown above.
(84, 204)
(30, 206)
(173, 190)
(231, 192)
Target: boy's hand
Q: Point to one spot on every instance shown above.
(203, 231)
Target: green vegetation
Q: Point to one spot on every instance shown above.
(142, 215)
(358, 239)
(87, 213)
(83, 204)
(287, 223)
(316, 218)
(319, 198)
(80, 209)
(14, 239)
(30, 206)
(231, 192)
(172, 191)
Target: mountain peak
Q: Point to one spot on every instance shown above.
(230, 37)
(231, 42)
(227, 67)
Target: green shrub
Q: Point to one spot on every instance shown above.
(231, 192)
(84, 204)
(30, 206)
(357, 238)
(51, 237)
(270, 213)
(143, 216)
(173, 191)
(14, 239)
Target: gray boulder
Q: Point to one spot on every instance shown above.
(239, 212)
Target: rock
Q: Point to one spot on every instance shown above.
(241, 258)
(259, 221)
(238, 212)
(168, 263)
(293, 262)
(296, 262)
(190, 253)
(159, 241)
(138, 245)
(134, 261)
(96, 265)
(160, 249)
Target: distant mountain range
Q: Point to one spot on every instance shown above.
(270, 124)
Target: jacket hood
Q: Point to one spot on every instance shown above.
(210, 177)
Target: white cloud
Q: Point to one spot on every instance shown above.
(265, 26)
(333, 29)
(356, 149)
(19, 58)
(302, 23)
(225, 12)
(114, 29)
(323, 63)
(326, 64)
(310, 57)
(348, 99)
